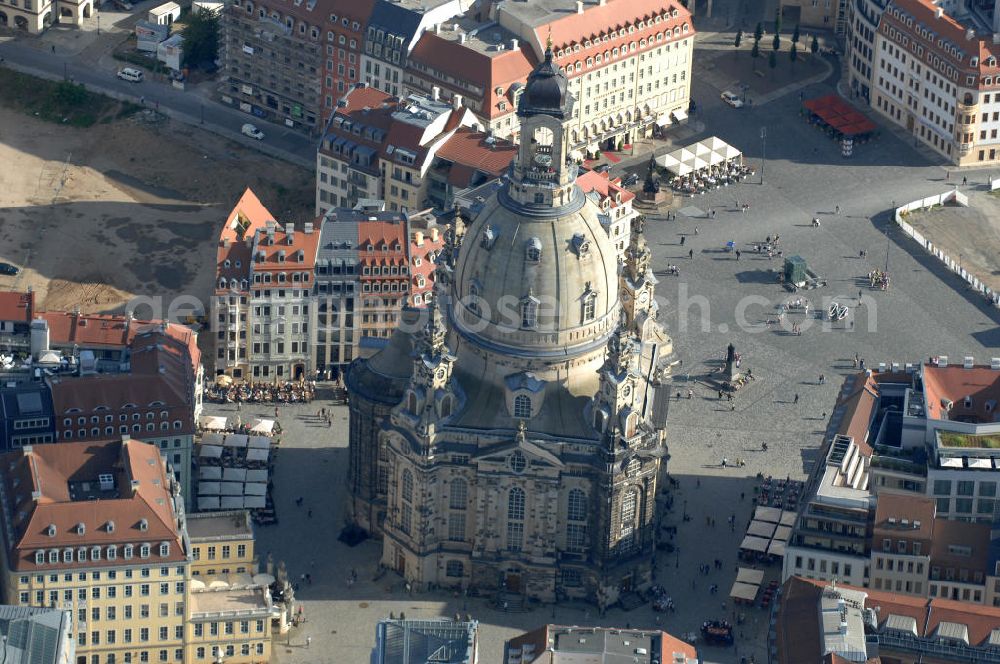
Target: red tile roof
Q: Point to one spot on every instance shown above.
(248, 215)
(469, 148)
(307, 243)
(16, 306)
(38, 487)
(954, 383)
(604, 185)
(899, 506)
(359, 98)
(451, 58)
(859, 407)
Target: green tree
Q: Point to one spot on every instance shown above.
(793, 55)
(814, 46)
(755, 53)
(795, 35)
(776, 44)
(772, 62)
(777, 20)
(201, 38)
(739, 38)
(758, 32)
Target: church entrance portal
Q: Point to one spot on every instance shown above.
(512, 582)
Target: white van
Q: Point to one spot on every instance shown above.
(130, 74)
(252, 131)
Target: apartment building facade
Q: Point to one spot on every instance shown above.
(615, 202)
(273, 57)
(230, 624)
(940, 80)
(222, 543)
(627, 77)
(863, 17)
(393, 27)
(121, 568)
(345, 39)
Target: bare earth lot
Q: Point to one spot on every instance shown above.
(970, 235)
(95, 216)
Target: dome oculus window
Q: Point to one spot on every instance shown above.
(517, 462)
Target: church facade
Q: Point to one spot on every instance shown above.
(511, 435)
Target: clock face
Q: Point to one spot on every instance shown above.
(543, 159)
(626, 392)
(440, 373)
(643, 297)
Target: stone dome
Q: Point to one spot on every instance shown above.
(545, 91)
(559, 262)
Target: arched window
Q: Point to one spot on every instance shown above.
(458, 497)
(522, 407)
(474, 291)
(446, 406)
(515, 519)
(407, 486)
(589, 306)
(529, 313)
(576, 505)
(515, 504)
(411, 403)
(627, 539)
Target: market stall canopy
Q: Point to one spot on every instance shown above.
(787, 518)
(210, 473)
(782, 533)
(213, 422)
(231, 488)
(761, 529)
(208, 503)
(744, 591)
(698, 156)
(256, 475)
(776, 548)
(254, 502)
(208, 488)
(751, 543)
(236, 440)
(231, 502)
(255, 489)
(768, 514)
(257, 455)
(263, 579)
(210, 452)
(262, 426)
(212, 439)
(751, 576)
(234, 474)
(836, 112)
(260, 442)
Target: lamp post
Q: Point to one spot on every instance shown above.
(98, 23)
(763, 151)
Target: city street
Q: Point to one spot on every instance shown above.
(83, 56)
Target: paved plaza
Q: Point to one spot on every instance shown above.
(716, 300)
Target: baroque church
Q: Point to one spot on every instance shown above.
(510, 436)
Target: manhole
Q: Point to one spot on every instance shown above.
(363, 605)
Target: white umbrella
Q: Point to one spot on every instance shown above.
(263, 579)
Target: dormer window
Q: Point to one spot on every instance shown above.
(51, 530)
(81, 529)
(144, 551)
(164, 549)
(589, 305)
(533, 250)
(39, 557)
(143, 525)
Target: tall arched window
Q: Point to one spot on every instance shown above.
(576, 517)
(627, 540)
(459, 496)
(406, 509)
(522, 407)
(589, 306)
(529, 313)
(533, 250)
(515, 519)
(411, 403)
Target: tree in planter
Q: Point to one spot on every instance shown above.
(776, 43)
(772, 62)
(795, 35)
(758, 32)
(739, 39)
(754, 53)
(793, 55)
(814, 46)
(201, 38)
(777, 20)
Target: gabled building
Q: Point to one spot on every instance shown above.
(97, 529)
(615, 202)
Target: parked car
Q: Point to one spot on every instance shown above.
(631, 180)
(252, 131)
(602, 168)
(7, 268)
(130, 74)
(732, 99)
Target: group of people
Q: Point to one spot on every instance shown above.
(879, 279)
(287, 392)
(719, 175)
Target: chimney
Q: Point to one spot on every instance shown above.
(579, 6)
(513, 44)
(938, 12)
(456, 102)
(970, 34)
(461, 38)
(436, 93)
(308, 228)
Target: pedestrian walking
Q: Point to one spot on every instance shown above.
(947, 175)
(53, 48)
(690, 254)
(737, 254)
(836, 209)
(796, 398)
(309, 514)
(713, 213)
(822, 379)
(965, 180)
(309, 641)
(683, 240)
(142, 100)
(859, 296)
(696, 230)
(690, 393)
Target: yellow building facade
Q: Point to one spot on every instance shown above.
(222, 543)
